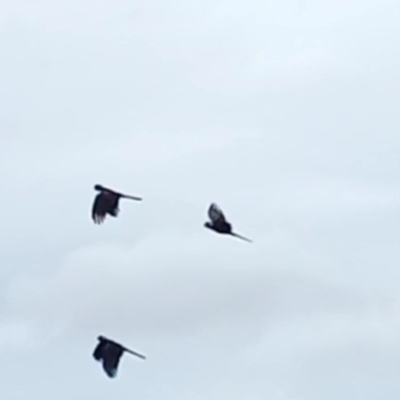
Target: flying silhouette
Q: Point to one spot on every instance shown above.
(106, 202)
(109, 353)
(220, 224)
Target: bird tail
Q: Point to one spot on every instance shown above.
(125, 196)
(241, 237)
(135, 354)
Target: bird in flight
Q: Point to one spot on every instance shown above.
(106, 202)
(218, 223)
(109, 353)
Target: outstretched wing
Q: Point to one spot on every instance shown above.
(215, 214)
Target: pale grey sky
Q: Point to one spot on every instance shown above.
(287, 114)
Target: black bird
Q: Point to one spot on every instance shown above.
(106, 202)
(220, 224)
(109, 353)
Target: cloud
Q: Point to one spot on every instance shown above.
(252, 325)
(166, 282)
(169, 284)
(14, 334)
(284, 114)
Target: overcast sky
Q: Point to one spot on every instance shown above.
(286, 114)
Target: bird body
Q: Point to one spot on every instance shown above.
(107, 202)
(109, 353)
(219, 224)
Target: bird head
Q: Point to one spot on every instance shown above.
(98, 187)
(101, 338)
(208, 225)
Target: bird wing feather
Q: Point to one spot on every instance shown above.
(111, 359)
(215, 214)
(104, 202)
